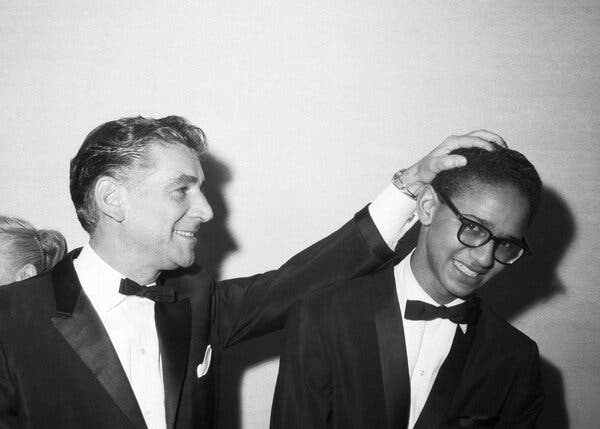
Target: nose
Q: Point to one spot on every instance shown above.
(484, 255)
(201, 208)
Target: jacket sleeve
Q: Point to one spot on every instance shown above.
(525, 400)
(247, 307)
(303, 390)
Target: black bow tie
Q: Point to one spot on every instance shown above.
(155, 293)
(464, 313)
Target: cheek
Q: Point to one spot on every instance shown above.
(441, 249)
(445, 245)
(157, 214)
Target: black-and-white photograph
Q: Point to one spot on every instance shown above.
(299, 215)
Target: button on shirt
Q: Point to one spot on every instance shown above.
(427, 342)
(129, 322)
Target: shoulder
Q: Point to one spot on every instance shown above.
(27, 298)
(505, 335)
(346, 291)
(349, 297)
(24, 288)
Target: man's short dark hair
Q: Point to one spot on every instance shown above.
(117, 147)
(498, 167)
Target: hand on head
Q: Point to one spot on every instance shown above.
(440, 159)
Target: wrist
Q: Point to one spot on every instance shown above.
(406, 182)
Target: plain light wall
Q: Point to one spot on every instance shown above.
(311, 106)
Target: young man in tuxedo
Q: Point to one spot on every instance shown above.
(412, 346)
(127, 332)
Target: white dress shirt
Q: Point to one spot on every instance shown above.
(129, 321)
(427, 342)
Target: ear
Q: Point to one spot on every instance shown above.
(109, 198)
(427, 204)
(27, 271)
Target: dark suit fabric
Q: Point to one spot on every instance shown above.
(344, 366)
(58, 368)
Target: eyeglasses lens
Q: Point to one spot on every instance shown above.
(474, 235)
(507, 252)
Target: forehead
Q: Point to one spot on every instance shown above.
(171, 161)
(501, 208)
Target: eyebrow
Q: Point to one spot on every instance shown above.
(183, 179)
(489, 226)
(477, 219)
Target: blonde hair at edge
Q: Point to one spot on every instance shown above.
(26, 251)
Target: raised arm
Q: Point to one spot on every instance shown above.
(251, 306)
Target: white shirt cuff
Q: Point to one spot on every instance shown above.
(393, 214)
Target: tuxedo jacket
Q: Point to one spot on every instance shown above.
(59, 369)
(344, 366)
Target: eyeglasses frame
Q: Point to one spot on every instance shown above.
(463, 219)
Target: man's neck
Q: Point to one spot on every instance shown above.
(121, 259)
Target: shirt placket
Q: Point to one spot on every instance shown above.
(143, 362)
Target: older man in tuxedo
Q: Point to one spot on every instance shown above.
(412, 346)
(127, 332)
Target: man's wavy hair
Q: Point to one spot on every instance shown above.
(118, 147)
(500, 167)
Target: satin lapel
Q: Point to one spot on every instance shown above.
(81, 327)
(392, 348)
(173, 325)
(447, 380)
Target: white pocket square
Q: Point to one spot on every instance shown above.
(203, 367)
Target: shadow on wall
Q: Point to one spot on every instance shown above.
(534, 281)
(513, 292)
(215, 241)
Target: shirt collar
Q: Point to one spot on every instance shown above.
(409, 288)
(99, 280)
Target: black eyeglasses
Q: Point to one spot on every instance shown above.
(474, 234)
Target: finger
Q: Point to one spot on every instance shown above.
(446, 162)
(461, 142)
(489, 136)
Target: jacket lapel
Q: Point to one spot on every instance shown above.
(447, 380)
(173, 325)
(392, 348)
(81, 327)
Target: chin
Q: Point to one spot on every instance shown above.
(187, 260)
(461, 290)
(178, 262)
(187, 263)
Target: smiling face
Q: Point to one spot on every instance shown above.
(447, 269)
(163, 207)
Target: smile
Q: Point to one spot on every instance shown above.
(187, 234)
(464, 269)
